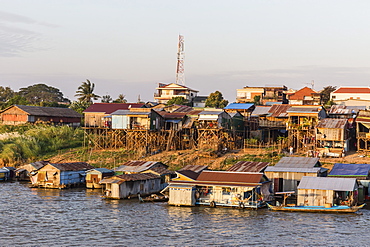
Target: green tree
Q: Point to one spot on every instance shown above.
(106, 99)
(120, 99)
(79, 106)
(16, 100)
(6, 93)
(85, 92)
(216, 100)
(257, 99)
(325, 94)
(177, 101)
(38, 93)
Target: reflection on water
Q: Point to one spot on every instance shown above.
(79, 216)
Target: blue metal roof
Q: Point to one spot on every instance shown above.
(340, 169)
(239, 106)
(103, 170)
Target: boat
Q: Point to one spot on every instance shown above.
(317, 209)
(153, 198)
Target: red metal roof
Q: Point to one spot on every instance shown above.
(108, 108)
(300, 94)
(167, 115)
(233, 177)
(352, 90)
(248, 166)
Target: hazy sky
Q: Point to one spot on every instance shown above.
(129, 46)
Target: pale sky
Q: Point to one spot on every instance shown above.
(129, 46)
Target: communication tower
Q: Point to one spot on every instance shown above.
(180, 76)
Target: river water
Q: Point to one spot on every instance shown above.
(80, 217)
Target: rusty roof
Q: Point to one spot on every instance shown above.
(279, 110)
(184, 108)
(166, 115)
(332, 123)
(304, 109)
(300, 94)
(108, 108)
(248, 166)
(138, 166)
(75, 166)
(342, 109)
(129, 177)
(194, 168)
(352, 90)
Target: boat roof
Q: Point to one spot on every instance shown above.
(339, 169)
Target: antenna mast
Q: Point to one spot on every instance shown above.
(180, 76)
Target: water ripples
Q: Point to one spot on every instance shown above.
(78, 217)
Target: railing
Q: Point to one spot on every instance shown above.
(267, 123)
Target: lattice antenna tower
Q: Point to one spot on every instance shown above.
(180, 75)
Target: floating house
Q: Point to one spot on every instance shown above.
(22, 114)
(61, 175)
(359, 171)
(154, 167)
(94, 176)
(24, 172)
(130, 185)
(4, 174)
(327, 191)
(288, 172)
(220, 188)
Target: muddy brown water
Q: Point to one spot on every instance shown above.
(80, 217)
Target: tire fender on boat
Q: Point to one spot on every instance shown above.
(212, 204)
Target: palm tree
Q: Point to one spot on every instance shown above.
(120, 99)
(85, 92)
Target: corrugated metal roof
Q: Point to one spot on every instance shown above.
(363, 116)
(210, 112)
(108, 108)
(304, 109)
(234, 177)
(239, 106)
(279, 110)
(194, 168)
(39, 164)
(332, 123)
(295, 169)
(184, 109)
(361, 170)
(178, 115)
(248, 166)
(48, 111)
(342, 109)
(128, 112)
(129, 177)
(103, 170)
(325, 183)
(261, 110)
(75, 166)
(298, 162)
(137, 166)
(161, 170)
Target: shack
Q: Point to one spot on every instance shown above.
(326, 191)
(22, 114)
(130, 185)
(137, 119)
(333, 137)
(24, 172)
(4, 174)
(94, 176)
(359, 171)
(61, 175)
(214, 119)
(154, 167)
(220, 188)
(288, 172)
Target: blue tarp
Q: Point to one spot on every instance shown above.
(340, 169)
(239, 106)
